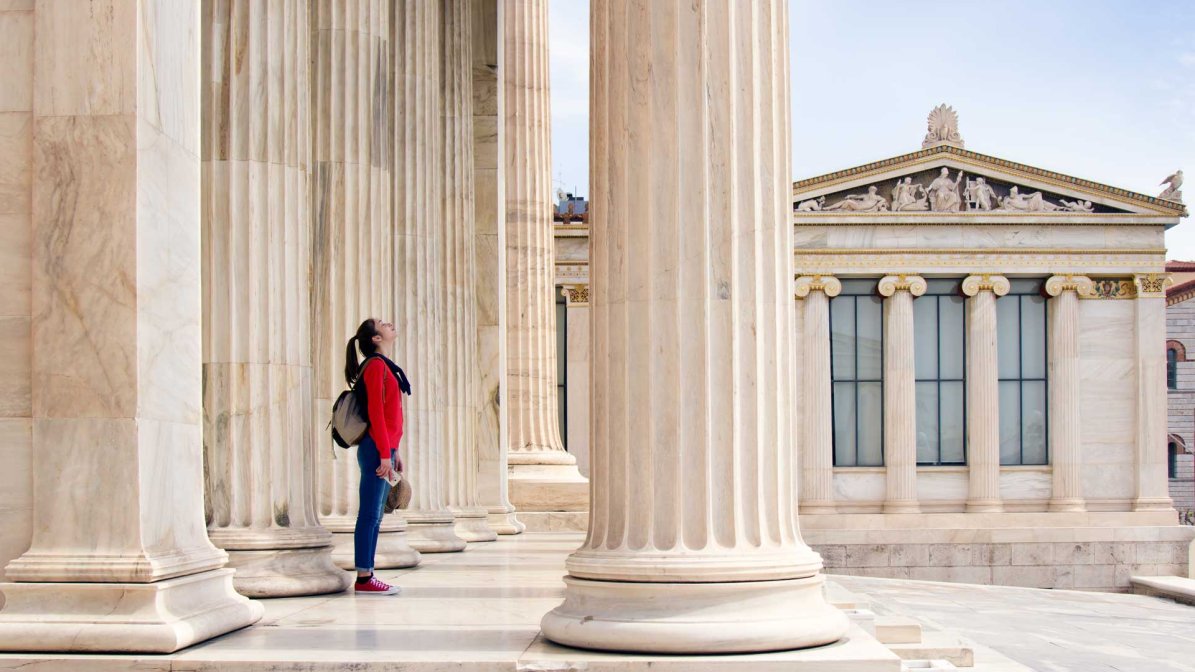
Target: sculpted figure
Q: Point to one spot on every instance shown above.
(979, 194)
(905, 198)
(1018, 202)
(943, 192)
(1173, 191)
(1077, 206)
(812, 205)
(869, 202)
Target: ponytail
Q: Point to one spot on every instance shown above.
(364, 340)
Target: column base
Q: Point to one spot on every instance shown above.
(548, 487)
(393, 551)
(291, 572)
(1153, 504)
(433, 532)
(902, 506)
(985, 506)
(160, 617)
(816, 506)
(504, 522)
(472, 525)
(694, 618)
(1069, 504)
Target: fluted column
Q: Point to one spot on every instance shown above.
(900, 393)
(1066, 458)
(1149, 329)
(119, 560)
(816, 447)
(492, 441)
(460, 278)
(983, 392)
(259, 448)
(693, 543)
(419, 239)
(542, 475)
(352, 276)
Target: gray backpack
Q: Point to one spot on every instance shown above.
(350, 413)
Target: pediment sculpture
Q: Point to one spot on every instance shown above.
(1173, 191)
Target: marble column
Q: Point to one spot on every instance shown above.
(1149, 330)
(352, 255)
(816, 445)
(900, 393)
(693, 542)
(259, 449)
(1066, 458)
(578, 365)
(419, 239)
(543, 477)
(983, 392)
(490, 209)
(120, 559)
(460, 278)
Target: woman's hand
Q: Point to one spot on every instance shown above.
(386, 468)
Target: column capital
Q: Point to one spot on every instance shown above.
(1152, 285)
(913, 284)
(577, 295)
(1057, 284)
(827, 284)
(986, 282)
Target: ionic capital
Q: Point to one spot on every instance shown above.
(827, 284)
(1057, 284)
(996, 284)
(913, 284)
(575, 295)
(1152, 285)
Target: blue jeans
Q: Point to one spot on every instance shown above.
(373, 493)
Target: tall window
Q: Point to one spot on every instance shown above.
(939, 323)
(1021, 361)
(857, 371)
(562, 364)
(1172, 368)
(1172, 460)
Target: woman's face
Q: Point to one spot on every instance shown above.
(386, 332)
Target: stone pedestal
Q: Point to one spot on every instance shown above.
(577, 381)
(117, 461)
(1149, 329)
(1066, 457)
(816, 445)
(419, 230)
(900, 393)
(352, 252)
(693, 542)
(983, 393)
(542, 476)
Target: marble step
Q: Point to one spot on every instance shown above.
(936, 646)
(914, 665)
(1176, 588)
(897, 630)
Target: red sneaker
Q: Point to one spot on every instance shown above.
(376, 587)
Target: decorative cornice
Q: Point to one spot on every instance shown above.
(1020, 169)
(827, 284)
(986, 282)
(1057, 284)
(913, 284)
(1152, 285)
(577, 295)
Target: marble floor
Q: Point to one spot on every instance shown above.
(480, 610)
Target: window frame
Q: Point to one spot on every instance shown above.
(1020, 296)
(855, 380)
(938, 380)
(1172, 368)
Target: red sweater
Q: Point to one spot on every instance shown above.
(385, 406)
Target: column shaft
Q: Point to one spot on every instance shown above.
(1150, 336)
(693, 543)
(983, 392)
(543, 476)
(419, 239)
(1065, 431)
(460, 323)
(816, 447)
(352, 255)
(117, 459)
(900, 393)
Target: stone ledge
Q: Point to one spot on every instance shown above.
(1176, 588)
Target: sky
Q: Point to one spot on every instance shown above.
(1098, 89)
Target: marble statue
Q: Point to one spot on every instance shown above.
(904, 196)
(869, 202)
(943, 192)
(812, 205)
(1173, 191)
(979, 194)
(1018, 202)
(943, 128)
(1077, 206)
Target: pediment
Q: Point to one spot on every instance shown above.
(948, 181)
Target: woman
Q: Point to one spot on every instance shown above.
(377, 454)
